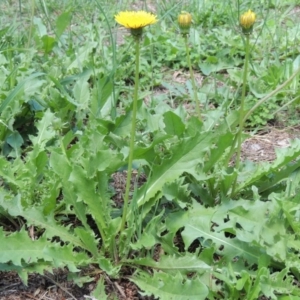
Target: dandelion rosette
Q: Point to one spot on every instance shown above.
(184, 22)
(247, 20)
(135, 20)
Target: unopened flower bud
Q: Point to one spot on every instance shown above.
(185, 22)
(247, 20)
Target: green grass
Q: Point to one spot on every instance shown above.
(222, 231)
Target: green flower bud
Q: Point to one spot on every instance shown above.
(185, 22)
(247, 20)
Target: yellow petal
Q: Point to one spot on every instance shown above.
(247, 19)
(135, 19)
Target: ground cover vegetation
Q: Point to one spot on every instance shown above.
(83, 101)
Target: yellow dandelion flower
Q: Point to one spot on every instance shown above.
(247, 20)
(184, 22)
(135, 19)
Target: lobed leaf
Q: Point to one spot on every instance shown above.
(66, 256)
(36, 217)
(186, 156)
(171, 263)
(18, 248)
(45, 130)
(169, 287)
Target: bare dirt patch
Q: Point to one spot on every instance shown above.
(262, 146)
(56, 286)
(50, 286)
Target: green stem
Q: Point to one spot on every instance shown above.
(197, 102)
(242, 111)
(132, 135)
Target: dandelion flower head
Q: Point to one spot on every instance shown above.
(135, 19)
(247, 19)
(185, 19)
(184, 22)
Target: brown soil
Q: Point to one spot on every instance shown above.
(56, 286)
(262, 146)
(48, 286)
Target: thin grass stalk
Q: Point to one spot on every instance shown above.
(32, 11)
(20, 6)
(113, 46)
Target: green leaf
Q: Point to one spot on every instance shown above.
(79, 279)
(60, 164)
(217, 150)
(171, 263)
(107, 266)
(35, 216)
(32, 88)
(42, 30)
(245, 279)
(86, 191)
(99, 291)
(123, 124)
(196, 227)
(102, 102)
(15, 140)
(13, 94)
(186, 156)
(173, 124)
(269, 174)
(66, 256)
(89, 239)
(278, 283)
(213, 65)
(7, 173)
(62, 167)
(82, 93)
(169, 287)
(35, 105)
(45, 130)
(100, 161)
(62, 22)
(23, 270)
(234, 230)
(18, 248)
(83, 55)
(48, 43)
(255, 288)
(62, 90)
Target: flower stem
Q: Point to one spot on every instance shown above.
(132, 134)
(197, 103)
(242, 112)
